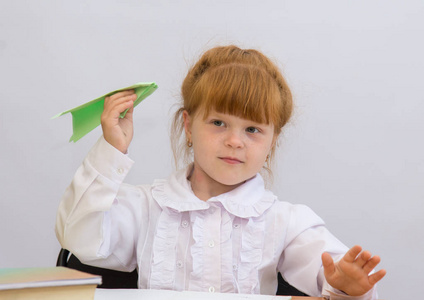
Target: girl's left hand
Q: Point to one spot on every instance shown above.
(351, 273)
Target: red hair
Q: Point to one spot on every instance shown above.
(230, 80)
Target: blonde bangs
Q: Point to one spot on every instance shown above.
(245, 91)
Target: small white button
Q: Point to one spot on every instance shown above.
(211, 289)
(212, 210)
(120, 171)
(184, 224)
(236, 226)
(179, 264)
(211, 243)
(235, 267)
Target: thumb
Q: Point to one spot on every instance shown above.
(129, 113)
(328, 264)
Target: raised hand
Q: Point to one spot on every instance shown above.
(351, 273)
(118, 131)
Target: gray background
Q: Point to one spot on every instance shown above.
(353, 151)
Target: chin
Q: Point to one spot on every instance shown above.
(232, 181)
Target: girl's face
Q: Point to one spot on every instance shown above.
(227, 149)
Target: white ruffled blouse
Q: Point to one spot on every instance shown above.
(233, 243)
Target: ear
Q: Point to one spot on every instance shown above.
(187, 124)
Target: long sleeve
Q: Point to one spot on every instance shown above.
(300, 263)
(97, 212)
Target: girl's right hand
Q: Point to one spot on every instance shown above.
(118, 131)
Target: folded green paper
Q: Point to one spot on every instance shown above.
(86, 117)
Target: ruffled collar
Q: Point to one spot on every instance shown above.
(250, 199)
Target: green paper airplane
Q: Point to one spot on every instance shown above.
(86, 117)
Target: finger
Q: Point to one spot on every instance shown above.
(118, 109)
(376, 277)
(353, 252)
(122, 94)
(362, 258)
(129, 113)
(371, 264)
(111, 104)
(130, 110)
(328, 263)
(123, 98)
(112, 115)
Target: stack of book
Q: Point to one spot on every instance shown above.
(47, 283)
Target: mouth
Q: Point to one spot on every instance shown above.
(231, 160)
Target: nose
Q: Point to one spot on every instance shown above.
(234, 140)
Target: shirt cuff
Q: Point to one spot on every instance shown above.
(333, 294)
(109, 161)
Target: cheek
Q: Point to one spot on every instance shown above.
(263, 145)
(201, 146)
(263, 152)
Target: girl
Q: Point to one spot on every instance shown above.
(211, 226)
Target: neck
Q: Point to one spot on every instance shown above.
(205, 187)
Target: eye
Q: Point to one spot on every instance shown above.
(217, 123)
(252, 129)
